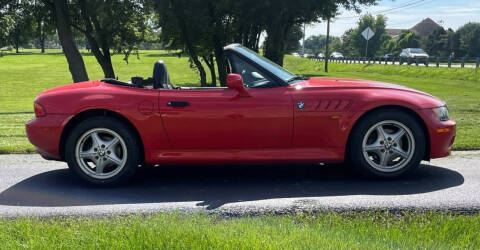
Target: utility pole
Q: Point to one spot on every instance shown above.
(326, 46)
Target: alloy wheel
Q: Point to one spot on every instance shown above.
(388, 146)
(101, 153)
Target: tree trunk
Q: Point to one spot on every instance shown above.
(191, 50)
(103, 56)
(16, 44)
(221, 65)
(218, 39)
(42, 44)
(17, 39)
(41, 35)
(74, 58)
(211, 66)
(277, 33)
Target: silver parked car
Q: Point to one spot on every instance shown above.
(414, 54)
(336, 55)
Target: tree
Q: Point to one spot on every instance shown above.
(43, 23)
(6, 25)
(201, 28)
(65, 35)
(468, 40)
(118, 25)
(440, 42)
(374, 44)
(281, 16)
(346, 45)
(185, 29)
(316, 44)
(408, 39)
(21, 14)
(293, 40)
(390, 46)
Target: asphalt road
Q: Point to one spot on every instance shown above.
(32, 186)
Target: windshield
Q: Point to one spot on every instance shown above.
(266, 64)
(416, 51)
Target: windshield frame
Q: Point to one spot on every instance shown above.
(264, 63)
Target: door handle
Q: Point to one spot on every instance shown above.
(177, 104)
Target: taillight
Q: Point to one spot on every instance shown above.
(39, 110)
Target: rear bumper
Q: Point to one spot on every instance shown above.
(441, 133)
(44, 133)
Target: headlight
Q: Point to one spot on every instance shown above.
(442, 113)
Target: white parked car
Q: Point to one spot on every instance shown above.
(321, 55)
(336, 55)
(415, 54)
(306, 55)
(295, 54)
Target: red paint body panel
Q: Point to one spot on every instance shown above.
(220, 119)
(44, 133)
(246, 155)
(440, 143)
(220, 126)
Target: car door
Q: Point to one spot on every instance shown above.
(218, 118)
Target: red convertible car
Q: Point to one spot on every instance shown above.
(106, 129)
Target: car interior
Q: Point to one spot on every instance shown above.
(160, 80)
(252, 76)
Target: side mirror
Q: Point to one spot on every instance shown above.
(234, 81)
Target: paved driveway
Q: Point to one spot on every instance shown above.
(30, 185)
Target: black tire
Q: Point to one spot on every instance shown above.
(355, 154)
(132, 143)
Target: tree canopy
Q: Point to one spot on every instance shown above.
(316, 44)
(468, 40)
(6, 25)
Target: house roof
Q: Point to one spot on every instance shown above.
(422, 29)
(394, 32)
(425, 27)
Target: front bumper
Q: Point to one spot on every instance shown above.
(44, 133)
(442, 134)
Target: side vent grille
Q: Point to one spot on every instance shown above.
(334, 105)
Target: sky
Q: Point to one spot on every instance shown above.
(405, 14)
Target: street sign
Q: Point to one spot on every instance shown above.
(368, 33)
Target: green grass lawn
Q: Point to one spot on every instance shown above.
(307, 231)
(25, 75)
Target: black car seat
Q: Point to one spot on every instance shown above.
(160, 76)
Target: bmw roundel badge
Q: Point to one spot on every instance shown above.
(300, 105)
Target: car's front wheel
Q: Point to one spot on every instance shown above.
(389, 144)
(102, 151)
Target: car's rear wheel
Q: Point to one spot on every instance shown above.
(102, 151)
(389, 144)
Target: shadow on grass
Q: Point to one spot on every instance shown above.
(215, 186)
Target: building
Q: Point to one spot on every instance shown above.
(421, 29)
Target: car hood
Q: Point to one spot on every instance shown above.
(385, 93)
(347, 83)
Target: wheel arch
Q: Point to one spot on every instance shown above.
(86, 114)
(410, 111)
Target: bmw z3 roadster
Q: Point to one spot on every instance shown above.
(106, 129)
